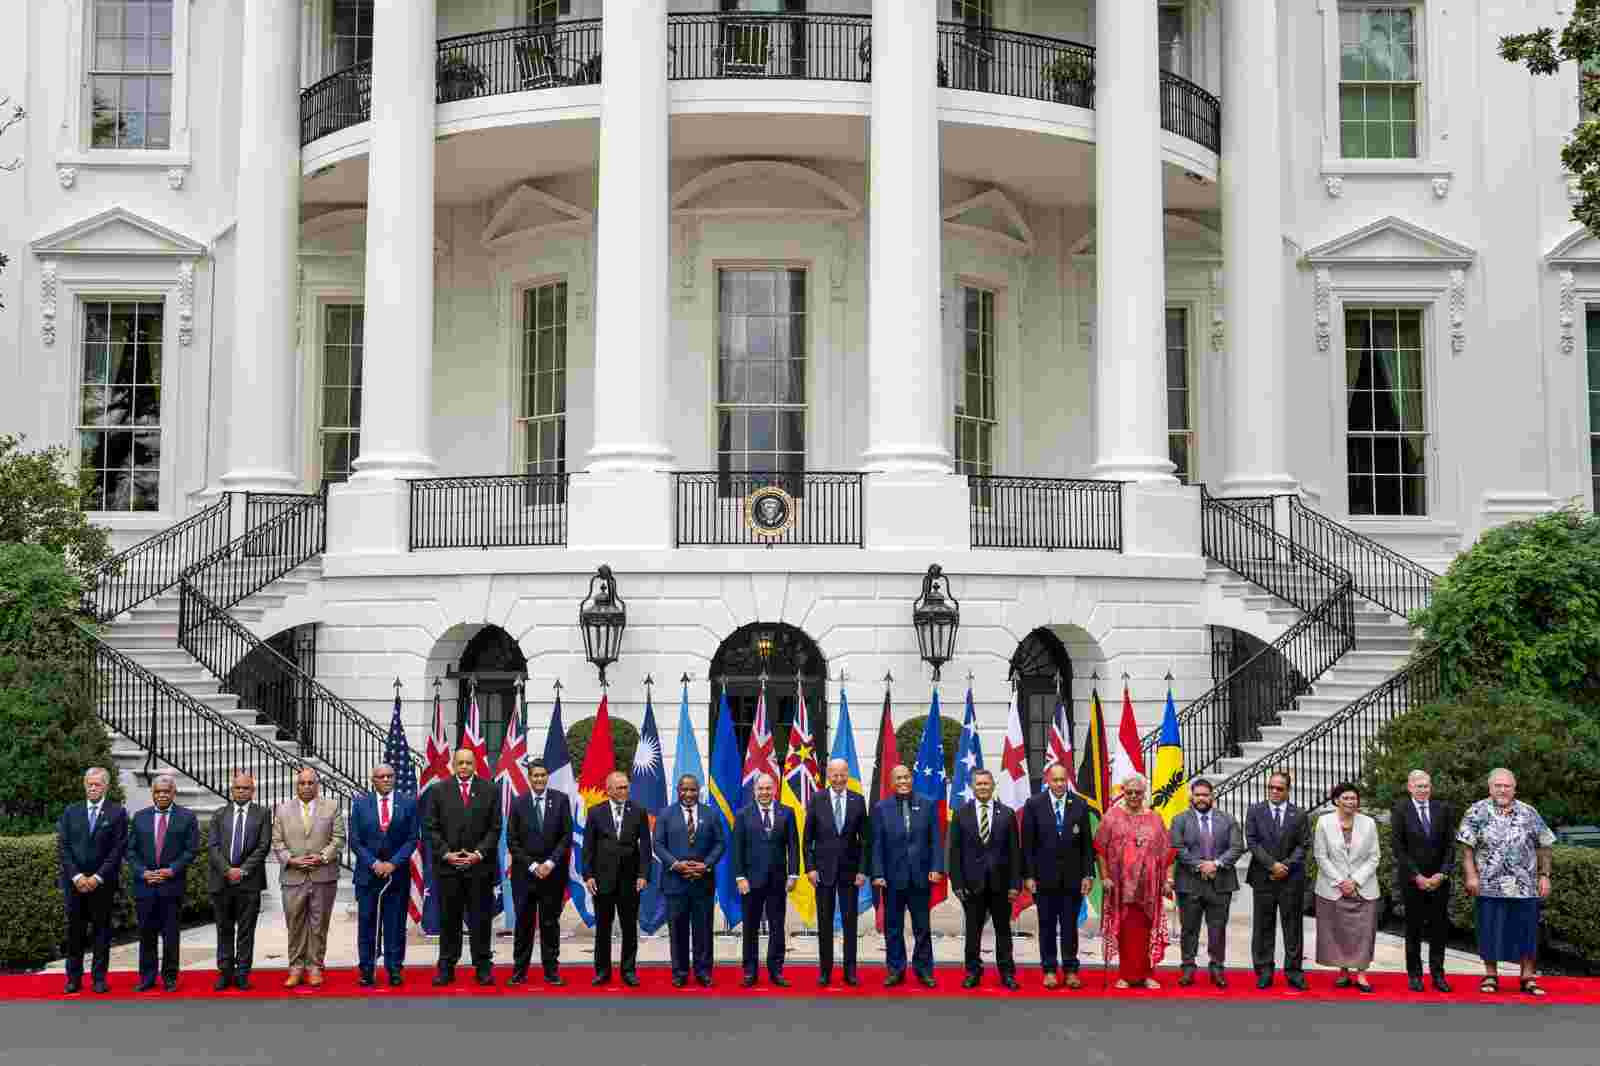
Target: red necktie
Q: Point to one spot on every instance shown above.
(383, 815)
(161, 833)
(466, 793)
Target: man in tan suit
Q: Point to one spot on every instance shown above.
(308, 837)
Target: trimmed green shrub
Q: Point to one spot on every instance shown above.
(40, 504)
(1520, 610)
(624, 741)
(1552, 747)
(908, 740)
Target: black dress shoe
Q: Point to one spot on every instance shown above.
(1010, 983)
(486, 978)
(1218, 977)
(395, 979)
(678, 980)
(630, 979)
(1263, 980)
(703, 979)
(169, 984)
(1344, 981)
(1296, 981)
(1414, 982)
(1186, 977)
(748, 981)
(100, 986)
(1440, 984)
(74, 986)
(824, 980)
(553, 978)
(1364, 986)
(145, 984)
(780, 980)
(892, 980)
(601, 977)
(444, 977)
(969, 981)
(852, 980)
(242, 982)
(925, 979)
(366, 980)
(518, 977)
(223, 982)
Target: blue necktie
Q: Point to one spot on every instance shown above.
(1060, 820)
(838, 813)
(94, 816)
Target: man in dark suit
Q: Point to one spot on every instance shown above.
(986, 874)
(1209, 843)
(1424, 841)
(1275, 833)
(835, 840)
(92, 837)
(383, 834)
(241, 834)
(162, 842)
(907, 861)
(766, 864)
(539, 836)
(464, 831)
(616, 867)
(1057, 870)
(689, 844)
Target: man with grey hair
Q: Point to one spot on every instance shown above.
(1422, 831)
(766, 864)
(835, 845)
(92, 837)
(161, 845)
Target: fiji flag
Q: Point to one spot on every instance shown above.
(647, 781)
(928, 781)
(558, 761)
(513, 779)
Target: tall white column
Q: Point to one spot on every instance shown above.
(397, 378)
(1131, 388)
(1252, 253)
(262, 402)
(908, 411)
(632, 254)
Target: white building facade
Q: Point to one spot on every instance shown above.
(535, 286)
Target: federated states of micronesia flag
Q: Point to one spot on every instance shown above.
(647, 786)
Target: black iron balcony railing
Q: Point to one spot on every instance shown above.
(712, 508)
(1044, 513)
(813, 47)
(152, 566)
(498, 511)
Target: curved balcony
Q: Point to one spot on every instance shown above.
(742, 45)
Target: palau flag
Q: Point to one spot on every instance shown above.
(1168, 794)
(726, 775)
(647, 781)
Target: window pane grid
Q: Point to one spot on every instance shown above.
(1386, 441)
(542, 421)
(343, 346)
(975, 416)
(351, 39)
(1180, 427)
(130, 74)
(761, 370)
(119, 411)
(1380, 83)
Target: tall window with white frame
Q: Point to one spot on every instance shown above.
(1592, 332)
(1172, 38)
(975, 407)
(542, 423)
(119, 406)
(130, 74)
(1380, 82)
(343, 333)
(350, 35)
(1180, 416)
(761, 376)
(1387, 440)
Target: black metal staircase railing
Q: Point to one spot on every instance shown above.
(1255, 694)
(1381, 574)
(291, 532)
(153, 565)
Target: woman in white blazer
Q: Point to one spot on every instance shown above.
(1345, 844)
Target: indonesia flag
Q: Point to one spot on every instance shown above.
(472, 739)
(437, 769)
(1126, 757)
(758, 754)
(1011, 785)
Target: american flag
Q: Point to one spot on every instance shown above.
(436, 769)
(397, 753)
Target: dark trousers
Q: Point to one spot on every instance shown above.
(1195, 907)
(89, 926)
(378, 907)
(842, 894)
(236, 911)
(1274, 906)
(991, 905)
(896, 902)
(158, 916)
(769, 901)
(609, 906)
(474, 898)
(539, 911)
(689, 930)
(1058, 920)
(1427, 918)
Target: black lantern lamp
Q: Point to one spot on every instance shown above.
(936, 615)
(602, 616)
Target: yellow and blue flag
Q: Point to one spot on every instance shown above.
(1168, 792)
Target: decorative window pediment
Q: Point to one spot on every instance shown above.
(117, 231)
(1578, 249)
(529, 212)
(1392, 241)
(991, 216)
(765, 188)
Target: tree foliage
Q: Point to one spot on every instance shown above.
(39, 504)
(1543, 52)
(908, 740)
(1520, 611)
(624, 742)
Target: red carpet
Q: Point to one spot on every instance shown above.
(657, 981)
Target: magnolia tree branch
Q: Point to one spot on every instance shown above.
(1542, 52)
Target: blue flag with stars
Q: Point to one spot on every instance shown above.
(969, 759)
(928, 780)
(647, 783)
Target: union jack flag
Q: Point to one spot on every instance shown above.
(512, 777)
(1058, 744)
(472, 738)
(437, 769)
(758, 754)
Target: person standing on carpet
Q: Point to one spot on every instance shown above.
(1275, 834)
(1058, 870)
(907, 861)
(986, 875)
(689, 844)
(616, 867)
(241, 833)
(1505, 860)
(835, 841)
(1209, 843)
(766, 864)
(383, 834)
(308, 836)
(539, 834)
(162, 842)
(1422, 831)
(1136, 868)
(92, 838)
(1345, 844)
(463, 827)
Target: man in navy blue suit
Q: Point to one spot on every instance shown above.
(539, 836)
(986, 873)
(1058, 870)
(907, 860)
(689, 844)
(383, 834)
(835, 839)
(161, 845)
(766, 862)
(92, 836)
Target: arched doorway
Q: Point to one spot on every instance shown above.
(792, 663)
(1043, 672)
(493, 662)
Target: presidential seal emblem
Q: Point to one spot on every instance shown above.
(769, 511)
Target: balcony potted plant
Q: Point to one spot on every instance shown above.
(1072, 75)
(459, 78)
